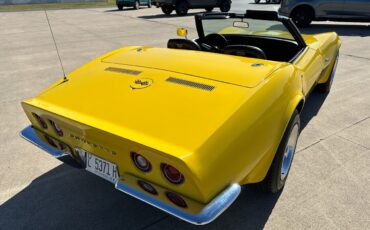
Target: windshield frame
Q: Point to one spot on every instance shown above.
(253, 14)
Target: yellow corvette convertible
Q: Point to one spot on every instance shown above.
(182, 128)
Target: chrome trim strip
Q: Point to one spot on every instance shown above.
(30, 135)
(210, 212)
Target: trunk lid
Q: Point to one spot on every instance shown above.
(172, 116)
(247, 72)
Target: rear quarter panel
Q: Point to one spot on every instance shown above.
(242, 150)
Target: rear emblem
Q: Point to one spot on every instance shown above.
(141, 83)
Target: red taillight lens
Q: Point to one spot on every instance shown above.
(40, 120)
(147, 187)
(172, 174)
(141, 162)
(176, 199)
(50, 141)
(56, 128)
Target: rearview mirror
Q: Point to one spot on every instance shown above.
(182, 32)
(239, 24)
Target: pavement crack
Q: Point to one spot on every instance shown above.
(335, 134)
(353, 142)
(309, 146)
(354, 56)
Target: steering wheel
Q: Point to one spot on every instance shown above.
(213, 42)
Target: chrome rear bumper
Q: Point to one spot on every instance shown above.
(30, 135)
(210, 211)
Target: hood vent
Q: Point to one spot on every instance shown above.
(121, 70)
(190, 83)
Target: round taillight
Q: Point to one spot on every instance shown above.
(50, 141)
(172, 174)
(176, 199)
(141, 162)
(147, 187)
(41, 121)
(56, 128)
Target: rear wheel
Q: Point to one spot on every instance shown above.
(257, 1)
(268, 1)
(167, 10)
(302, 16)
(280, 167)
(209, 9)
(120, 6)
(225, 6)
(137, 5)
(326, 87)
(182, 8)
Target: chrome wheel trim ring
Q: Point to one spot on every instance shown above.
(289, 152)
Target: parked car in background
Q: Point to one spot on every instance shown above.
(268, 1)
(304, 12)
(134, 3)
(182, 6)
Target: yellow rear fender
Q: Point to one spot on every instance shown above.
(293, 99)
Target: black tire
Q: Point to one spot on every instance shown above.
(182, 8)
(209, 9)
(225, 6)
(166, 9)
(268, 1)
(326, 87)
(257, 1)
(149, 4)
(273, 181)
(120, 6)
(302, 16)
(137, 5)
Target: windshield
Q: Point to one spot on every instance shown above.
(246, 26)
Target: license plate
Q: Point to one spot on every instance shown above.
(101, 167)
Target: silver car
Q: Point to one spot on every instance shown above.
(303, 12)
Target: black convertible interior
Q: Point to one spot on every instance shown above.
(270, 48)
(255, 34)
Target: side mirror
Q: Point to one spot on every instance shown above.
(182, 32)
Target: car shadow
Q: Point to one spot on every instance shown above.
(70, 198)
(173, 15)
(312, 107)
(124, 9)
(362, 30)
(112, 10)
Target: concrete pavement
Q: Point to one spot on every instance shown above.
(330, 178)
